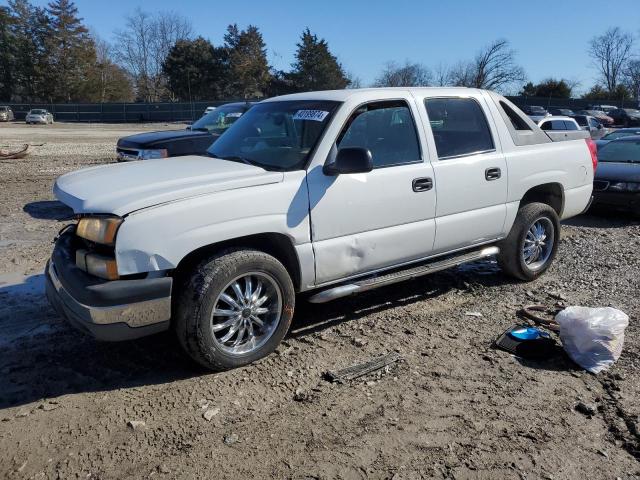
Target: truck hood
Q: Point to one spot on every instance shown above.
(125, 187)
(149, 139)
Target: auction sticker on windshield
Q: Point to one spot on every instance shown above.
(314, 115)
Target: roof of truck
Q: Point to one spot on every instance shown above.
(343, 95)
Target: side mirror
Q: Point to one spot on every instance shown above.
(350, 160)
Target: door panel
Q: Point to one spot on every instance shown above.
(470, 173)
(368, 221)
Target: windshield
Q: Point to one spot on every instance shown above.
(619, 134)
(538, 110)
(3, 109)
(217, 121)
(622, 151)
(37, 112)
(276, 135)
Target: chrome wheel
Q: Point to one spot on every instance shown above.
(246, 313)
(539, 242)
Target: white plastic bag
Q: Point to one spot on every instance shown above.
(592, 337)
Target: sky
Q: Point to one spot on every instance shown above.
(550, 38)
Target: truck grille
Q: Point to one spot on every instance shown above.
(600, 185)
(127, 154)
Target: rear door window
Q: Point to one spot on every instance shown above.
(459, 127)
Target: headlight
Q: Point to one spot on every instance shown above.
(624, 187)
(152, 154)
(97, 265)
(99, 229)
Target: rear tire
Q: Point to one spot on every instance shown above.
(532, 243)
(234, 309)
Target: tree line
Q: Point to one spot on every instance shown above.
(47, 54)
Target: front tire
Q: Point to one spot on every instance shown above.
(234, 309)
(532, 243)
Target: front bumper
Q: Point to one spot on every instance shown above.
(107, 310)
(627, 201)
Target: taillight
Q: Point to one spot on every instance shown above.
(593, 150)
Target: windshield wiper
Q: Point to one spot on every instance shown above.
(200, 129)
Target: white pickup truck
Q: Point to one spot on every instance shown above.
(332, 192)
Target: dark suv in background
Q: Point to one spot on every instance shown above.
(628, 117)
(194, 140)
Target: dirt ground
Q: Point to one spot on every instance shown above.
(452, 408)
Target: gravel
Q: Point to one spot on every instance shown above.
(453, 408)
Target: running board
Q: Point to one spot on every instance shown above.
(370, 283)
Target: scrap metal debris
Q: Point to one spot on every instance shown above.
(529, 312)
(14, 152)
(361, 369)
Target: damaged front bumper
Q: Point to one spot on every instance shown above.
(108, 310)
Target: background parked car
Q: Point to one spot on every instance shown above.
(559, 123)
(39, 115)
(535, 112)
(616, 134)
(625, 116)
(616, 182)
(602, 117)
(567, 112)
(6, 114)
(194, 140)
(602, 108)
(591, 125)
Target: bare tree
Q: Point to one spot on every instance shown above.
(493, 68)
(407, 75)
(632, 77)
(442, 75)
(143, 45)
(610, 52)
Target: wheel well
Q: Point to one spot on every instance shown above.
(275, 244)
(550, 193)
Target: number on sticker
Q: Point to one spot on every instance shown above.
(313, 115)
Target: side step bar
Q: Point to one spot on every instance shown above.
(370, 283)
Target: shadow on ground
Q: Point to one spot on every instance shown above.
(63, 361)
(48, 210)
(602, 219)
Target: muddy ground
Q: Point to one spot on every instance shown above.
(453, 408)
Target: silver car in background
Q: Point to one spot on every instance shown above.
(39, 115)
(591, 125)
(6, 114)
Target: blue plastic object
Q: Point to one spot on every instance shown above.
(527, 333)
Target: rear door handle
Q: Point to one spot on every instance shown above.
(493, 173)
(422, 184)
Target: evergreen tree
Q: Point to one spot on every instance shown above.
(195, 70)
(315, 67)
(247, 68)
(71, 49)
(7, 55)
(30, 28)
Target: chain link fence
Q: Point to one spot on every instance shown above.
(119, 112)
(188, 112)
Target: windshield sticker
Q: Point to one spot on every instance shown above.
(313, 115)
(234, 115)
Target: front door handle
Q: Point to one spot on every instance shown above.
(422, 184)
(493, 173)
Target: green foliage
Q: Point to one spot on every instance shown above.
(71, 52)
(7, 54)
(548, 88)
(315, 67)
(598, 92)
(195, 70)
(247, 69)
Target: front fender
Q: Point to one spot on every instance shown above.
(158, 238)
